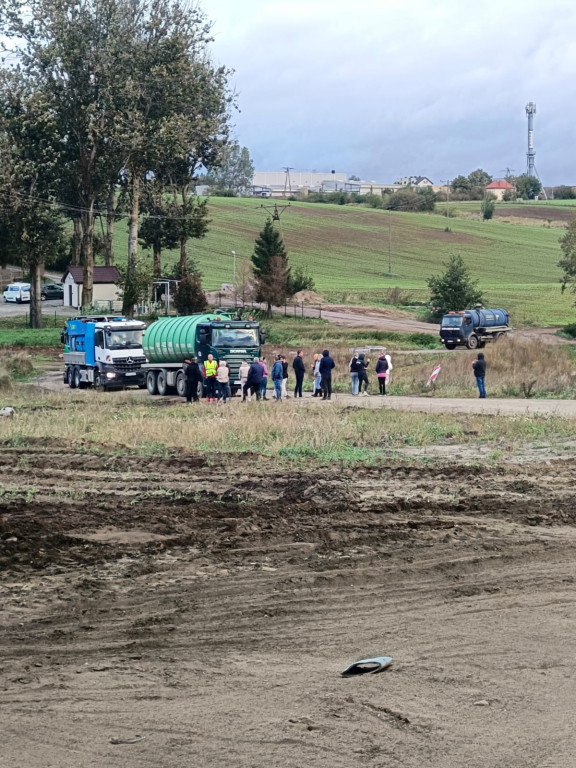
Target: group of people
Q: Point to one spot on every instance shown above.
(359, 372)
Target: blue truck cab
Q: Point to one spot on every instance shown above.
(103, 351)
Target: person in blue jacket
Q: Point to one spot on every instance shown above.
(326, 366)
(277, 377)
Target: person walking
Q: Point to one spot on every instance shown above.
(254, 380)
(278, 377)
(223, 378)
(299, 371)
(353, 366)
(363, 363)
(284, 378)
(243, 373)
(264, 384)
(317, 377)
(193, 376)
(210, 371)
(326, 367)
(390, 366)
(479, 368)
(381, 372)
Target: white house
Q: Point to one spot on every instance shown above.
(104, 290)
(414, 181)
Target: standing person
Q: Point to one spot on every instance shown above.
(326, 366)
(243, 373)
(299, 371)
(381, 372)
(210, 371)
(354, 368)
(264, 384)
(479, 368)
(278, 377)
(254, 380)
(363, 363)
(284, 378)
(390, 366)
(317, 376)
(193, 376)
(223, 378)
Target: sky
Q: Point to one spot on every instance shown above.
(388, 88)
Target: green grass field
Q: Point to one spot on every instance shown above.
(346, 251)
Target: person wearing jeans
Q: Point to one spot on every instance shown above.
(277, 377)
(354, 374)
(326, 367)
(479, 368)
(299, 370)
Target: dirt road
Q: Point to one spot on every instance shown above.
(209, 603)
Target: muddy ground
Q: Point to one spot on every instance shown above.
(209, 603)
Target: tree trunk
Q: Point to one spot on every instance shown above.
(110, 219)
(77, 242)
(88, 253)
(129, 298)
(157, 251)
(36, 270)
(184, 236)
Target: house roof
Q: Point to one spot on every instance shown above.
(101, 275)
(500, 184)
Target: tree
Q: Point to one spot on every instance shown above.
(454, 290)
(527, 187)
(564, 192)
(189, 296)
(159, 230)
(135, 283)
(412, 200)
(487, 207)
(235, 170)
(271, 270)
(479, 178)
(461, 184)
(301, 280)
(568, 262)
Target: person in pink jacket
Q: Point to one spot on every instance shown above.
(264, 379)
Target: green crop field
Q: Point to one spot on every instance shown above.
(346, 249)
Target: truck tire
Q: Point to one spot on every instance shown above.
(98, 380)
(472, 341)
(180, 384)
(71, 381)
(76, 379)
(497, 336)
(152, 383)
(163, 388)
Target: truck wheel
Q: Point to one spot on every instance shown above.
(163, 387)
(472, 341)
(152, 383)
(76, 380)
(98, 381)
(180, 384)
(497, 336)
(71, 382)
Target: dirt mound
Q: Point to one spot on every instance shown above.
(308, 297)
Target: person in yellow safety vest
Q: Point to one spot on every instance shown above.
(210, 371)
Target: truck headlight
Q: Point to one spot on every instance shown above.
(110, 375)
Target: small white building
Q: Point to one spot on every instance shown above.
(414, 181)
(104, 289)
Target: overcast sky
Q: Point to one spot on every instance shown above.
(388, 88)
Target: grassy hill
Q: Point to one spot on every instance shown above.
(346, 250)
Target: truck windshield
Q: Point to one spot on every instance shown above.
(124, 339)
(451, 321)
(234, 337)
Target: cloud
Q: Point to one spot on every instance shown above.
(385, 88)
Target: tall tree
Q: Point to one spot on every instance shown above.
(527, 187)
(568, 261)
(235, 170)
(454, 290)
(479, 178)
(461, 184)
(271, 269)
(159, 229)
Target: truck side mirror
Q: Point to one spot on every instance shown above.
(62, 337)
(263, 336)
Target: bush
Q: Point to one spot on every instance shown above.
(564, 192)
(569, 331)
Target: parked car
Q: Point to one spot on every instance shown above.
(17, 292)
(52, 291)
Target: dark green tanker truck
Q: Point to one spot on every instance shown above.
(168, 342)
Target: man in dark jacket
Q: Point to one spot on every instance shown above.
(193, 376)
(254, 380)
(299, 370)
(326, 366)
(479, 368)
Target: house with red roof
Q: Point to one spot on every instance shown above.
(105, 290)
(498, 188)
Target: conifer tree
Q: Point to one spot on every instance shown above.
(271, 269)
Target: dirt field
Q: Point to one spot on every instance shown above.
(209, 603)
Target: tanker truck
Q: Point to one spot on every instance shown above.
(168, 342)
(473, 327)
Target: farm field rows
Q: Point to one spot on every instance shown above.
(346, 250)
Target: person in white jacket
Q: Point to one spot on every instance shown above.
(244, 368)
(390, 366)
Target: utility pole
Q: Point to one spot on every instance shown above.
(390, 243)
(287, 182)
(235, 289)
(448, 182)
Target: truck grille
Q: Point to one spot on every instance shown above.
(129, 364)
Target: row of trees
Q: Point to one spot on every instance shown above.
(411, 199)
(102, 95)
(473, 186)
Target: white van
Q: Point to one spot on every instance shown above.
(17, 292)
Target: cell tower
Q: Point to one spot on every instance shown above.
(531, 154)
